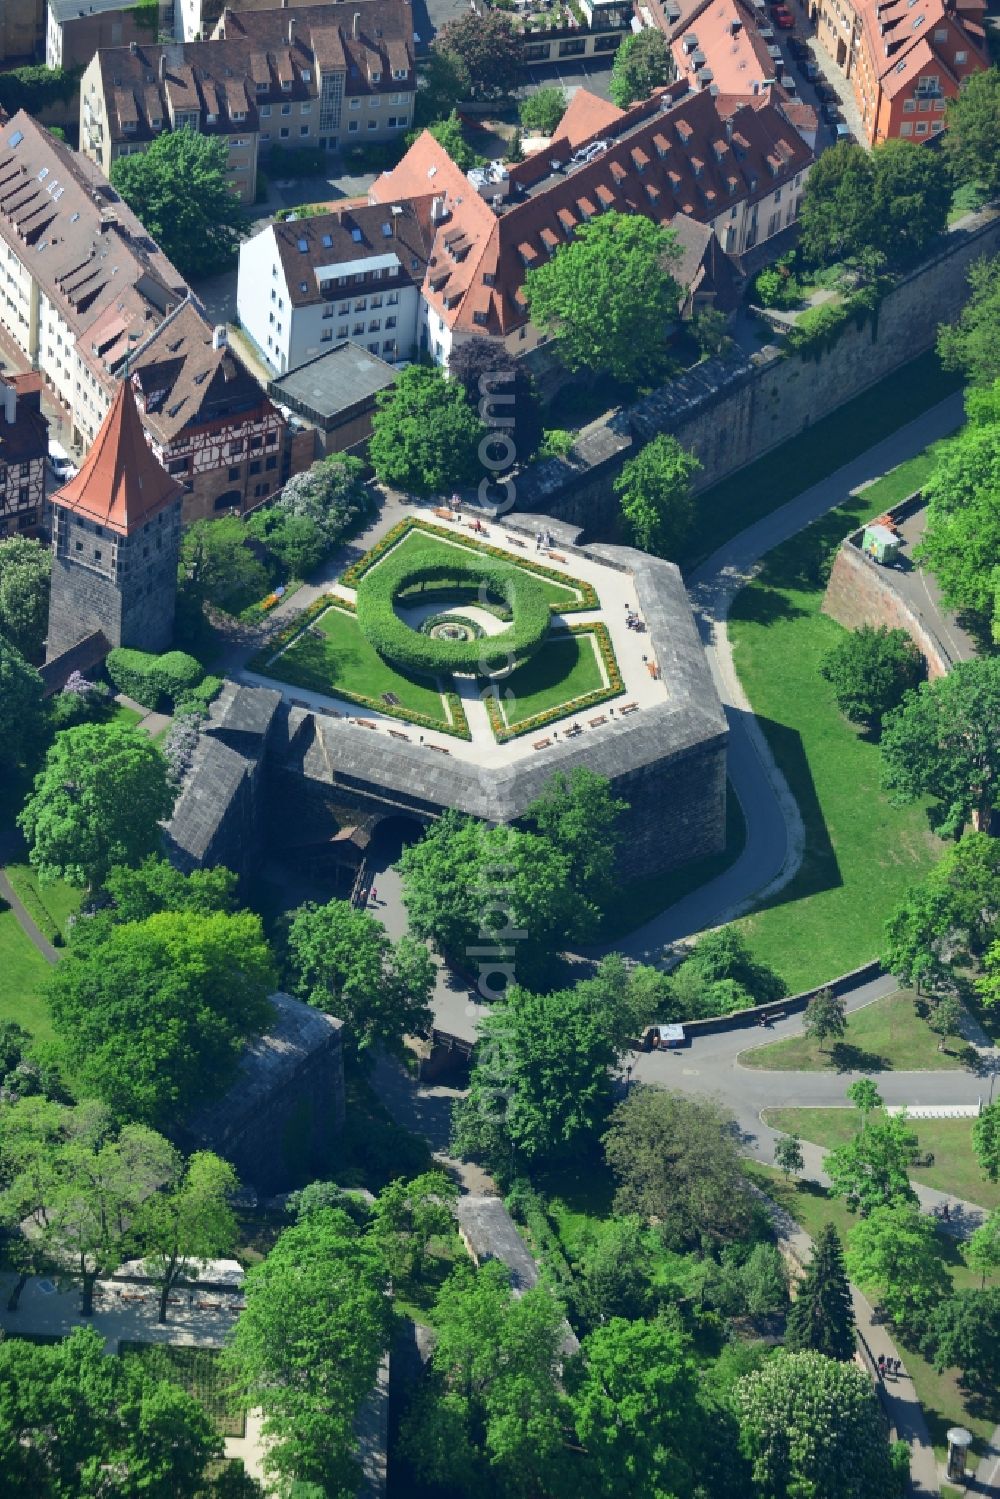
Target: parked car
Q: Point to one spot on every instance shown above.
(810, 70)
(799, 50)
(831, 114)
(60, 463)
(824, 93)
(843, 135)
(782, 18)
(663, 1037)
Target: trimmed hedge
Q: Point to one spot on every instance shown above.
(502, 732)
(587, 592)
(407, 648)
(148, 678)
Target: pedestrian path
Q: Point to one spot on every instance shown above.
(24, 921)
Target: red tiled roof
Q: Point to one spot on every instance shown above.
(121, 483)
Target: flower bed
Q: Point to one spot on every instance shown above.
(503, 732)
(587, 592)
(395, 641)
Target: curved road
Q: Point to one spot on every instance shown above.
(774, 839)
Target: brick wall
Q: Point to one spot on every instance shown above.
(733, 412)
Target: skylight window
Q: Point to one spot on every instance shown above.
(327, 241)
(356, 236)
(387, 231)
(16, 139)
(303, 245)
(303, 286)
(73, 217)
(43, 174)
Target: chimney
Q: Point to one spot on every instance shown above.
(735, 27)
(438, 210)
(219, 336)
(356, 25)
(133, 47)
(291, 30)
(9, 404)
(163, 66)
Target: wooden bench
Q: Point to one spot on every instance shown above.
(364, 723)
(654, 670)
(516, 541)
(596, 722)
(555, 557)
(398, 734)
(572, 731)
(628, 708)
(542, 743)
(440, 749)
(444, 514)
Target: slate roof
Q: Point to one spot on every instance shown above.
(325, 35)
(266, 1065)
(27, 437)
(899, 38)
(181, 380)
(351, 232)
(121, 483)
(343, 377)
(672, 154)
(492, 1235)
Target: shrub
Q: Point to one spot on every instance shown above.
(777, 287)
(149, 678)
(196, 699)
(407, 648)
(556, 443)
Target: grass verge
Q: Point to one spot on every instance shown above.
(22, 973)
(50, 906)
(729, 507)
(881, 1037)
(861, 854)
(955, 1167)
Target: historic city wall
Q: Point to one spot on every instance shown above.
(733, 411)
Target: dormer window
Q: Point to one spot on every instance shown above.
(306, 75)
(156, 122)
(375, 77)
(212, 119)
(400, 73)
(286, 85)
(239, 114)
(262, 88)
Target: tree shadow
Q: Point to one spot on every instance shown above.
(819, 869)
(848, 1058)
(764, 606)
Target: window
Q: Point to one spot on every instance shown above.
(924, 106)
(284, 132)
(938, 109)
(374, 77)
(265, 111)
(352, 127)
(373, 348)
(390, 322)
(354, 104)
(375, 102)
(392, 298)
(286, 85)
(342, 331)
(376, 301)
(357, 330)
(326, 336)
(344, 308)
(361, 305)
(922, 127)
(255, 466)
(306, 75)
(941, 35)
(389, 347)
(374, 325)
(286, 109)
(305, 109)
(398, 74)
(909, 105)
(303, 129)
(961, 57)
(234, 474)
(327, 313)
(373, 124)
(906, 128)
(271, 462)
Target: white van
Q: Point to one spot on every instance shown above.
(62, 466)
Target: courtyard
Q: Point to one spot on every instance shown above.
(482, 634)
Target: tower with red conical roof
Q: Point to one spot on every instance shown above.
(115, 540)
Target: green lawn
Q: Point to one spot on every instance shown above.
(861, 854)
(22, 971)
(197, 1370)
(121, 714)
(639, 901)
(440, 551)
(940, 1395)
(885, 1035)
(955, 1167)
(332, 654)
(729, 507)
(566, 668)
(50, 906)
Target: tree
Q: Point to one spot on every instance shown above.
(894, 1252)
(986, 1140)
(488, 47)
(822, 1314)
(82, 1183)
(73, 1421)
(655, 491)
(581, 820)
(982, 1248)
(719, 978)
(498, 387)
(871, 669)
(962, 537)
(425, 434)
(944, 742)
(945, 1018)
(216, 565)
(308, 1346)
(948, 920)
(608, 296)
(25, 569)
(346, 964)
(872, 1170)
(542, 110)
(788, 1154)
(709, 329)
(971, 143)
(98, 801)
(677, 1161)
(911, 198)
(465, 883)
(407, 1215)
(155, 885)
(633, 1398)
(964, 1332)
(642, 63)
(441, 85)
(970, 344)
(865, 1096)
(448, 134)
(187, 1220)
(541, 1084)
(890, 204)
(826, 1016)
(491, 1414)
(614, 1271)
(153, 1019)
(812, 1426)
(988, 987)
(179, 190)
(21, 709)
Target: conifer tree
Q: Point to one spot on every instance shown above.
(822, 1317)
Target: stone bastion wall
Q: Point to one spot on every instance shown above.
(732, 411)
